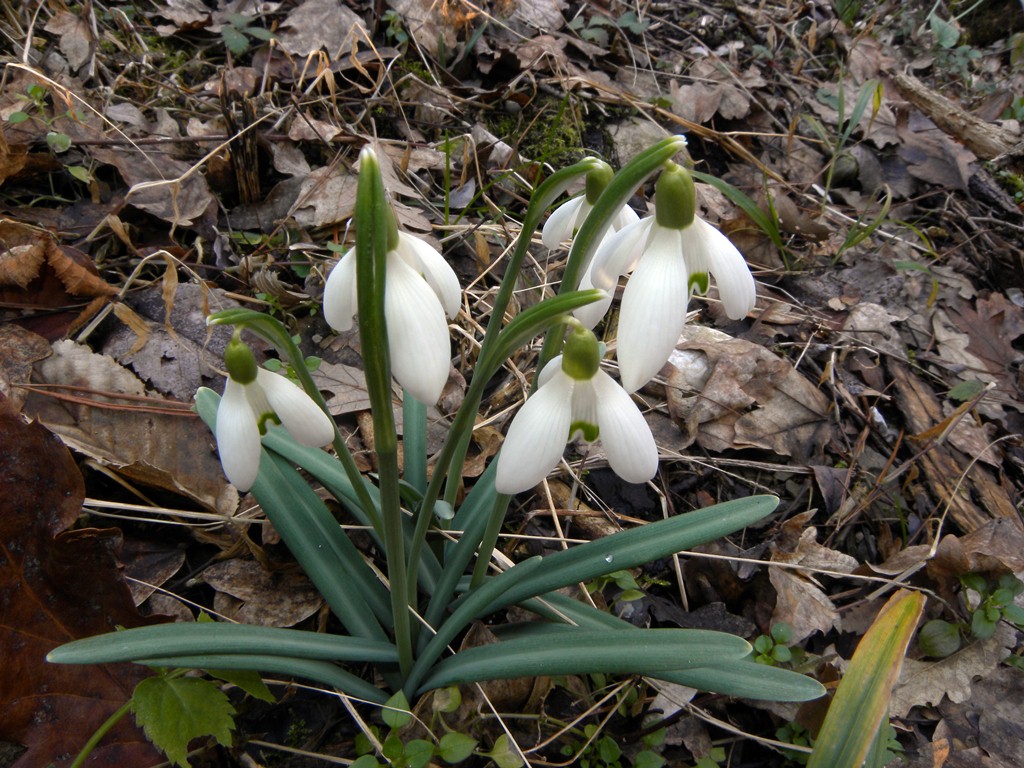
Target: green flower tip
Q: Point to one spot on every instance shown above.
(597, 180)
(240, 361)
(581, 356)
(675, 197)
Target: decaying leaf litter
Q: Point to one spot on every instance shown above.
(158, 164)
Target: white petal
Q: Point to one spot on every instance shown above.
(591, 314)
(298, 413)
(562, 222)
(340, 293)
(238, 437)
(653, 309)
(537, 437)
(625, 435)
(624, 218)
(438, 273)
(619, 253)
(417, 332)
(707, 249)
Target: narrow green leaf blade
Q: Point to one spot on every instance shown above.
(184, 639)
(323, 672)
(582, 651)
(634, 547)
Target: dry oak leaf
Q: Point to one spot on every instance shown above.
(249, 593)
(167, 188)
(800, 602)
(325, 25)
(58, 585)
(986, 345)
(743, 396)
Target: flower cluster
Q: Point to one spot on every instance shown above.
(670, 254)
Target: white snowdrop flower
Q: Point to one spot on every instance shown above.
(670, 255)
(420, 289)
(253, 396)
(576, 399)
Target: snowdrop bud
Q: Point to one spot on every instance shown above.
(675, 198)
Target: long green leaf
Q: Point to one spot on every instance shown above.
(186, 639)
(638, 652)
(861, 703)
(744, 678)
(321, 671)
(634, 547)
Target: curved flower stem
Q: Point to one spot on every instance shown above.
(100, 732)
(372, 230)
(453, 453)
(590, 234)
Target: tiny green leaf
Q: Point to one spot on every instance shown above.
(938, 639)
(456, 747)
(1014, 614)
(235, 41)
(59, 142)
(17, 117)
(396, 712)
(966, 390)
(417, 753)
(173, 711)
(81, 173)
(504, 755)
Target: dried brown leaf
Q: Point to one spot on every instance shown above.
(749, 398)
(259, 596)
(19, 350)
(141, 440)
(327, 25)
(58, 585)
(927, 682)
(76, 40)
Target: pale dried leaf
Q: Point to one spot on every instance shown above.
(426, 23)
(543, 15)
(19, 264)
(170, 451)
(927, 682)
(267, 598)
(327, 196)
(327, 25)
(344, 387)
(801, 604)
(75, 37)
(751, 398)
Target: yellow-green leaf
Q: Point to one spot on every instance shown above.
(861, 703)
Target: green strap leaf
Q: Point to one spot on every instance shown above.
(219, 638)
(634, 547)
(581, 651)
(323, 672)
